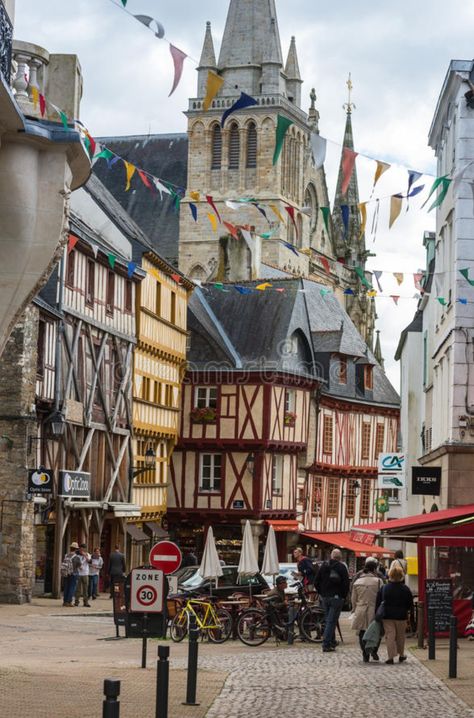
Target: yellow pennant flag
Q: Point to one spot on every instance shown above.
(35, 97)
(214, 84)
(196, 196)
(277, 212)
(399, 277)
(372, 293)
(381, 168)
(263, 287)
(130, 170)
(154, 273)
(363, 217)
(395, 209)
(213, 220)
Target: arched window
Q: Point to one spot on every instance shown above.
(252, 146)
(234, 147)
(216, 160)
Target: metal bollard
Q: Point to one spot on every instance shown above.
(291, 624)
(192, 663)
(420, 624)
(431, 634)
(453, 647)
(144, 639)
(111, 705)
(162, 682)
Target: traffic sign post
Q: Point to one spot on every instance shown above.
(147, 588)
(166, 556)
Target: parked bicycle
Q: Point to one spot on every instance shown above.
(214, 622)
(256, 625)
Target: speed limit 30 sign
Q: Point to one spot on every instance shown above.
(146, 590)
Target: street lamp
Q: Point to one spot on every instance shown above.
(58, 423)
(133, 472)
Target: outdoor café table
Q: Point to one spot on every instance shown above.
(234, 607)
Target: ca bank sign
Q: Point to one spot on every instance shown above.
(391, 463)
(74, 484)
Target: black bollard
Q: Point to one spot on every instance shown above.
(420, 624)
(162, 682)
(291, 624)
(431, 634)
(111, 705)
(453, 647)
(144, 639)
(192, 663)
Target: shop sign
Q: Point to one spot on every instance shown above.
(40, 481)
(238, 504)
(391, 481)
(391, 463)
(74, 484)
(368, 539)
(426, 480)
(439, 598)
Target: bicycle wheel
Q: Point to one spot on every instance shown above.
(253, 627)
(311, 624)
(179, 627)
(224, 623)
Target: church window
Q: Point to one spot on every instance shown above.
(216, 148)
(252, 146)
(234, 147)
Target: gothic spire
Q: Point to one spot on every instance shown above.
(208, 55)
(246, 34)
(378, 350)
(292, 68)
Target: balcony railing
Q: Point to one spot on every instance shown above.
(6, 39)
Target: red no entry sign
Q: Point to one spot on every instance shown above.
(165, 556)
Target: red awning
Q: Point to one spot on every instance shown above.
(421, 523)
(342, 539)
(282, 525)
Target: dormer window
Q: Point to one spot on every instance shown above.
(342, 370)
(368, 377)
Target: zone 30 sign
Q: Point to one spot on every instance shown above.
(146, 590)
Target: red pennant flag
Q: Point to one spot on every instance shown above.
(210, 201)
(144, 179)
(176, 278)
(93, 144)
(395, 298)
(348, 162)
(326, 265)
(232, 229)
(417, 279)
(71, 243)
(178, 58)
(42, 102)
(291, 212)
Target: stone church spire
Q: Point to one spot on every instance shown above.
(378, 350)
(207, 61)
(293, 76)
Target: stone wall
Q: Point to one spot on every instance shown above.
(17, 424)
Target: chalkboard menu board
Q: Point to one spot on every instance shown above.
(439, 596)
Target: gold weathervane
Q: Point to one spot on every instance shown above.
(349, 106)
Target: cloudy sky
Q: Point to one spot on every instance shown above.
(398, 54)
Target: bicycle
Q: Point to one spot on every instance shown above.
(215, 622)
(256, 625)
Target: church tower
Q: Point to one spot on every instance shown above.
(234, 162)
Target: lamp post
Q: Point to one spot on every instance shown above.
(150, 458)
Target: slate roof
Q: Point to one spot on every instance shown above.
(164, 156)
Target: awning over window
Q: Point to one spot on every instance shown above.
(283, 525)
(343, 540)
(156, 529)
(414, 526)
(136, 533)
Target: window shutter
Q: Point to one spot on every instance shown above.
(234, 148)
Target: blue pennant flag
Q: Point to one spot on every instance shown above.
(243, 290)
(262, 211)
(194, 211)
(131, 269)
(291, 247)
(462, 300)
(348, 291)
(243, 101)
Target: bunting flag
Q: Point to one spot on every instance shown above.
(42, 104)
(124, 3)
(291, 212)
(219, 285)
(438, 181)
(377, 276)
(445, 182)
(413, 177)
(395, 298)
(178, 59)
(363, 218)
(396, 203)
(263, 287)
(160, 186)
(461, 300)
(360, 273)
(459, 176)
(158, 30)
(345, 218)
(243, 101)
(326, 211)
(232, 229)
(194, 211)
(71, 243)
(210, 201)
(348, 162)
(319, 146)
(375, 220)
(95, 249)
(261, 210)
(112, 258)
(325, 292)
(176, 278)
(195, 196)
(144, 179)
(213, 220)
(233, 205)
(379, 171)
(465, 274)
(442, 301)
(247, 237)
(399, 277)
(243, 290)
(267, 235)
(417, 280)
(63, 117)
(214, 84)
(131, 267)
(349, 292)
(105, 154)
(372, 293)
(282, 128)
(326, 265)
(281, 290)
(35, 97)
(130, 171)
(292, 248)
(277, 213)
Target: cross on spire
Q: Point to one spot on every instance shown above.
(349, 106)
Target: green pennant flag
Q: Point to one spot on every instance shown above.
(219, 285)
(465, 274)
(442, 301)
(360, 273)
(326, 212)
(124, 3)
(324, 292)
(63, 117)
(112, 259)
(282, 128)
(436, 184)
(105, 153)
(445, 181)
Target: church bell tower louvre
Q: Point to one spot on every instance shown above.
(235, 161)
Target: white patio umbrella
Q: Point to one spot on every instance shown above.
(248, 564)
(210, 565)
(270, 565)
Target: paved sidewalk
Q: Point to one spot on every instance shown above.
(463, 685)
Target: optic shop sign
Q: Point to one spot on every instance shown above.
(146, 590)
(74, 484)
(40, 481)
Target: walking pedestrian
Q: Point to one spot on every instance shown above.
(332, 584)
(82, 589)
(116, 567)
(70, 571)
(398, 560)
(397, 602)
(363, 598)
(94, 572)
(305, 567)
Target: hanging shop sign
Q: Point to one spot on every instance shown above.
(391, 463)
(391, 481)
(40, 481)
(74, 484)
(426, 480)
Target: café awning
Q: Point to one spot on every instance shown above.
(287, 525)
(342, 539)
(410, 527)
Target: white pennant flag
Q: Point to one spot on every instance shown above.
(95, 249)
(160, 187)
(233, 205)
(319, 145)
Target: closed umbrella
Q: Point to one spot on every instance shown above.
(210, 565)
(248, 565)
(270, 566)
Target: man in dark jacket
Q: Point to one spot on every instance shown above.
(332, 584)
(116, 568)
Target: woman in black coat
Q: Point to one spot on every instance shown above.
(397, 603)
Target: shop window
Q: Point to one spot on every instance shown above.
(210, 472)
(365, 499)
(205, 396)
(327, 434)
(332, 508)
(365, 448)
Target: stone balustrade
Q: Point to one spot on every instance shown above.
(6, 37)
(30, 69)
(223, 103)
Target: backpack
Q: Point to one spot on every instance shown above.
(67, 568)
